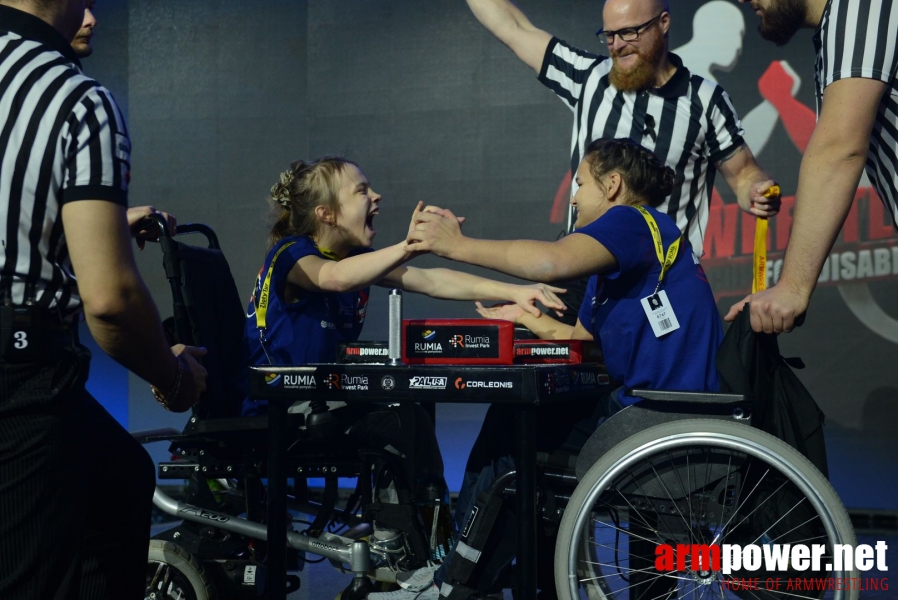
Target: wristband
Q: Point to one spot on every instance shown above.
(165, 399)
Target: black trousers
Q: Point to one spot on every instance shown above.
(565, 427)
(75, 489)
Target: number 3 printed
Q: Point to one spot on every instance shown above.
(21, 338)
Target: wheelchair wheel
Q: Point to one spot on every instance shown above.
(174, 574)
(698, 482)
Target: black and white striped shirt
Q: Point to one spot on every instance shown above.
(62, 139)
(689, 123)
(859, 38)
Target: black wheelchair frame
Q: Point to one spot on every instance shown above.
(219, 548)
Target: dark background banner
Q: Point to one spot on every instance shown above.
(222, 94)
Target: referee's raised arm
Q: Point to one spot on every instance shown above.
(512, 27)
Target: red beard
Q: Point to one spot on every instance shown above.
(641, 75)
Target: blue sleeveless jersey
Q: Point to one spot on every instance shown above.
(308, 330)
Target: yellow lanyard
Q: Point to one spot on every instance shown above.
(759, 262)
(671, 255)
(328, 253)
(265, 292)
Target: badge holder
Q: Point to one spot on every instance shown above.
(660, 313)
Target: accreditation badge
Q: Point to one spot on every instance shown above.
(660, 313)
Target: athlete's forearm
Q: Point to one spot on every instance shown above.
(546, 328)
(528, 259)
(362, 270)
(448, 284)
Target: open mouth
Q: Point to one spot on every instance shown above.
(369, 222)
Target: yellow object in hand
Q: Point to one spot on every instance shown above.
(759, 281)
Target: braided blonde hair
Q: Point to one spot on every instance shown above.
(299, 190)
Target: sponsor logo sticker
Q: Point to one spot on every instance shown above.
(428, 348)
(367, 351)
(349, 383)
(461, 384)
(300, 382)
(564, 351)
(428, 383)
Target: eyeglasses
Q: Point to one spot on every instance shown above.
(630, 34)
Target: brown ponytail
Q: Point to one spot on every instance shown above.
(647, 179)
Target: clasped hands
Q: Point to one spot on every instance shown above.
(434, 230)
(438, 231)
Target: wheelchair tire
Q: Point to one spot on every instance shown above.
(697, 481)
(174, 574)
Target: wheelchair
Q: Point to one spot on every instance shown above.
(684, 471)
(219, 549)
(688, 470)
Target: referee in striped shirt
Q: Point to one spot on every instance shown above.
(856, 84)
(75, 489)
(643, 92)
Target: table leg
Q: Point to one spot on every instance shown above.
(525, 428)
(277, 501)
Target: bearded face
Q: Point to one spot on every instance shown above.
(781, 19)
(640, 71)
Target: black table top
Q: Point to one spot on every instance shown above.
(515, 384)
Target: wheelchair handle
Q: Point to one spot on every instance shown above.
(161, 223)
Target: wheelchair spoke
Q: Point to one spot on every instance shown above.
(668, 593)
(753, 595)
(635, 511)
(775, 523)
(779, 537)
(631, 570)
(682, 518)
(707, 477)
(687, 492)
(784, 593)
(607, 547)
(736, 511)
(630, 533)
(648, 580)
(727, 478)
(814, 518)
(652, 504)
(811, 539)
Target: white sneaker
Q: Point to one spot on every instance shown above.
(428, 593)
(417, 580)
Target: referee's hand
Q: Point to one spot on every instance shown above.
(193, 385)
(143, 230)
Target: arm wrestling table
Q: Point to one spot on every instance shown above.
(524, 386)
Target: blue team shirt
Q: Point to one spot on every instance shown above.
(308, 330)
(681, 360)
